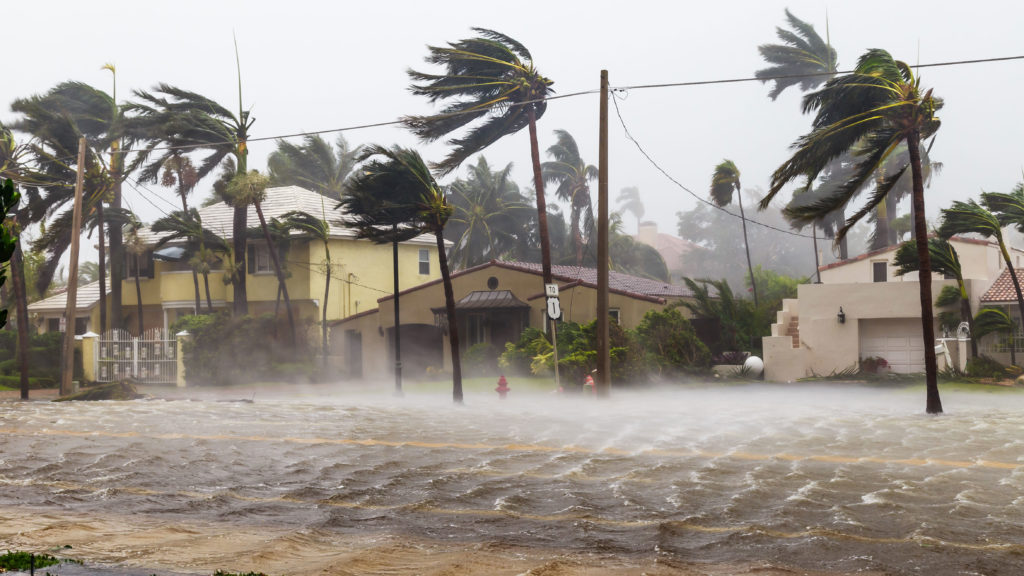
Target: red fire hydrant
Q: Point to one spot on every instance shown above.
(502, 388)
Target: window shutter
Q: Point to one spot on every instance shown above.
(251, 263)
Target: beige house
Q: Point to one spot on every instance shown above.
(495, 302)
(862, 309)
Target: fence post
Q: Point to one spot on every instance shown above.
(90, 356)
(179, 344)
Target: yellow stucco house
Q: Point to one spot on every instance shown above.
(495, 302)
(360, 275)
(863, 309)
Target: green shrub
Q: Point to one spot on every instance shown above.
(670, 344)
(24, 561)
(480, 360)
(986, 367)
(519, 356)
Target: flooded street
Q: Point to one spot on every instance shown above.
(833, 479)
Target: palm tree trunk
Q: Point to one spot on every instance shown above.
(398, 316)
(238, 226)
(817, 264)
(277, 268)
(453, 325)
(577, 237)
(746, 245)
(323, 310)
(1016, 287)
(195, 283)
(21, 310)
(117, 254)
(933, 404)
(542, 208)
(890, 216)
(206, 284)
(102, 267)
(138, 291)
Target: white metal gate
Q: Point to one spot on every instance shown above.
(150, 359)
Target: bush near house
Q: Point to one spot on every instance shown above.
(224, 350)
(43, 359)
(664, 345)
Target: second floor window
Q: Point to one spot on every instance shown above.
(424, 262)
(880, 271)
(141, 265)
(259, 261)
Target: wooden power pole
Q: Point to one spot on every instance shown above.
(604, 366)
(72, 292)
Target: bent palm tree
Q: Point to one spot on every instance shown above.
(572, 175)
(187, 227)
(993, 320)
(489, 78)
(394, 197)
(318, 229)
(877, 107)
(629, 198)
(313, 165)
(945, 261)
(803, 58)
(724, 181)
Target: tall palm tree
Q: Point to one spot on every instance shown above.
(945, 261)
(629, 198)
(136, 247)
(318, 229)
(879, 105)
(313, 165)
(724, 182)
(180, 173)
(802, 59)
(490, 81)
(171, 119)
(250, 189)
(488, 214)
(394, 197)
(572, 176)
(971, 217)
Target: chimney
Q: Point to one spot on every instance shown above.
(647, 233)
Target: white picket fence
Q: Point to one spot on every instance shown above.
(150, 359)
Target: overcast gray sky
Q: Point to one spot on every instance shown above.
(309, 66)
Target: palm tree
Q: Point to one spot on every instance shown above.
(970, 217)
(572, 175)
(992, 320)
(319, 229)
(629, 198)
(171, 119)
(945, 261)
(489, 78)
(803, 58)
(56, 120)
(625, 254)
(394, 197)
(187, 227)
(250, 189)
(136, 247)
(724, 181)
(313, 165)
(488, 214)
(179, 172)
(879, 105)
(713, 299)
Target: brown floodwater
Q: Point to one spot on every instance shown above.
(696, 480)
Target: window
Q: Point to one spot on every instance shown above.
(879, 271)
(475, 332)
(424, 262)
(259, 259)
(613, 313)
(141, 266)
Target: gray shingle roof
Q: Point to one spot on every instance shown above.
(86, 297)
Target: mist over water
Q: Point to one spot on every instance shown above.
(831, 478)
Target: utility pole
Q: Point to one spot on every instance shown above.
(604, 366)
(72, 292)
(398, 320)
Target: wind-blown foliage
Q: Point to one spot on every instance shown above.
(313, 165)
(725, 181)
(629, 198)
(993, 321)
(317, 229)
(874, 109)
(802, 58)
(572, 175)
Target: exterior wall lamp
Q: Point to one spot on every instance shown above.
(841, 316)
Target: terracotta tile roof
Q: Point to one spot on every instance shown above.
(1002, 289)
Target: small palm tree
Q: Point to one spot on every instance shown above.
(572, 176)
(971, 217)
(878, 106)
(313, 165)
(993, 320)
(136, 247)
(250, 189)
(724, 182)
(490, 81)
(629, 198)
(318, 229)
(945, 261)
(187, 227)
(394, 197)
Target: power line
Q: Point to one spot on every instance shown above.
(629, 136)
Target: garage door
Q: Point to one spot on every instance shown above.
(898, 341)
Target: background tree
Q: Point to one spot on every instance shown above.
(490, 81)
(724, 182)
(879, 105)
(170, 119)
(630, 201)
(572, 175)
(313, 165)
(394, 197)
(488, 213)
(945, 261)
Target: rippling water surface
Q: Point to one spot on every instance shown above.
(822, 478)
